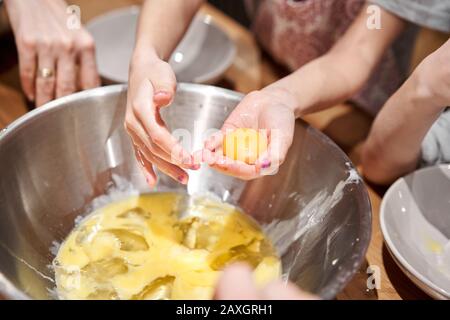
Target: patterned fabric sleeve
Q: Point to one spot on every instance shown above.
(434, 14)
(294, 32)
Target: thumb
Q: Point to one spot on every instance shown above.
(164, 84)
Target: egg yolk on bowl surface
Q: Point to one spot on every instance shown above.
(245, 145)
(140, 248)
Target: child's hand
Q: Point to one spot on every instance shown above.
(152, 86)
(271, 110)
(433, 77)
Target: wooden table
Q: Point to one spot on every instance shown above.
(252, 70)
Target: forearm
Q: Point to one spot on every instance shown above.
(343, 71)
(393, 147)
(162, 23)
(324, 82)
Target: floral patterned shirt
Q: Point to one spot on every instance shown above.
(296, 32)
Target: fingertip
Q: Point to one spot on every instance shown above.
(197, 159)
(189, 161)
(150, 181)
(214, 141)
(265, 163)
(183, 179)
(150, 178)
(162, 98)
(29, 93)
(237, 275)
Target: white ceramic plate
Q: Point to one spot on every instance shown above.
(415, 221)
(203, 56)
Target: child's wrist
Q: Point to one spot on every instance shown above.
(425, 89)
(286, 96)
(145, 51)
(423, 96)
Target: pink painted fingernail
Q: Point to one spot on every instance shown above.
(150, 180)
(182, 179)
(265, 164)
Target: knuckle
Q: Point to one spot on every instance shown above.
(157, 137)
(151, 147)
(45, 43)
(67, 45)
(86, 42)
(128, 123)
(136, 107)
(164, 68)
(169, 71)
(66, 87)
(27, 42)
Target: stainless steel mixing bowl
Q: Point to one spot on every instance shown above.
(56, 159)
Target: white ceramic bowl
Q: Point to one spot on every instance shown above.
(415, 221)
(203, 55)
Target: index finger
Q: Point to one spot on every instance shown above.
(153, 124)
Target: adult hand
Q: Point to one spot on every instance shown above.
(53, 60)
(152, 85)
(271, 111)
(236, 284)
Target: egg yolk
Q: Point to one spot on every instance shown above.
(245, 145)
(141, 248)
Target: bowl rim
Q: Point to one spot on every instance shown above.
(99, 91)
(205, 18)
(403, 263)
(342, 276)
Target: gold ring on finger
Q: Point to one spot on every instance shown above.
(46, 73)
